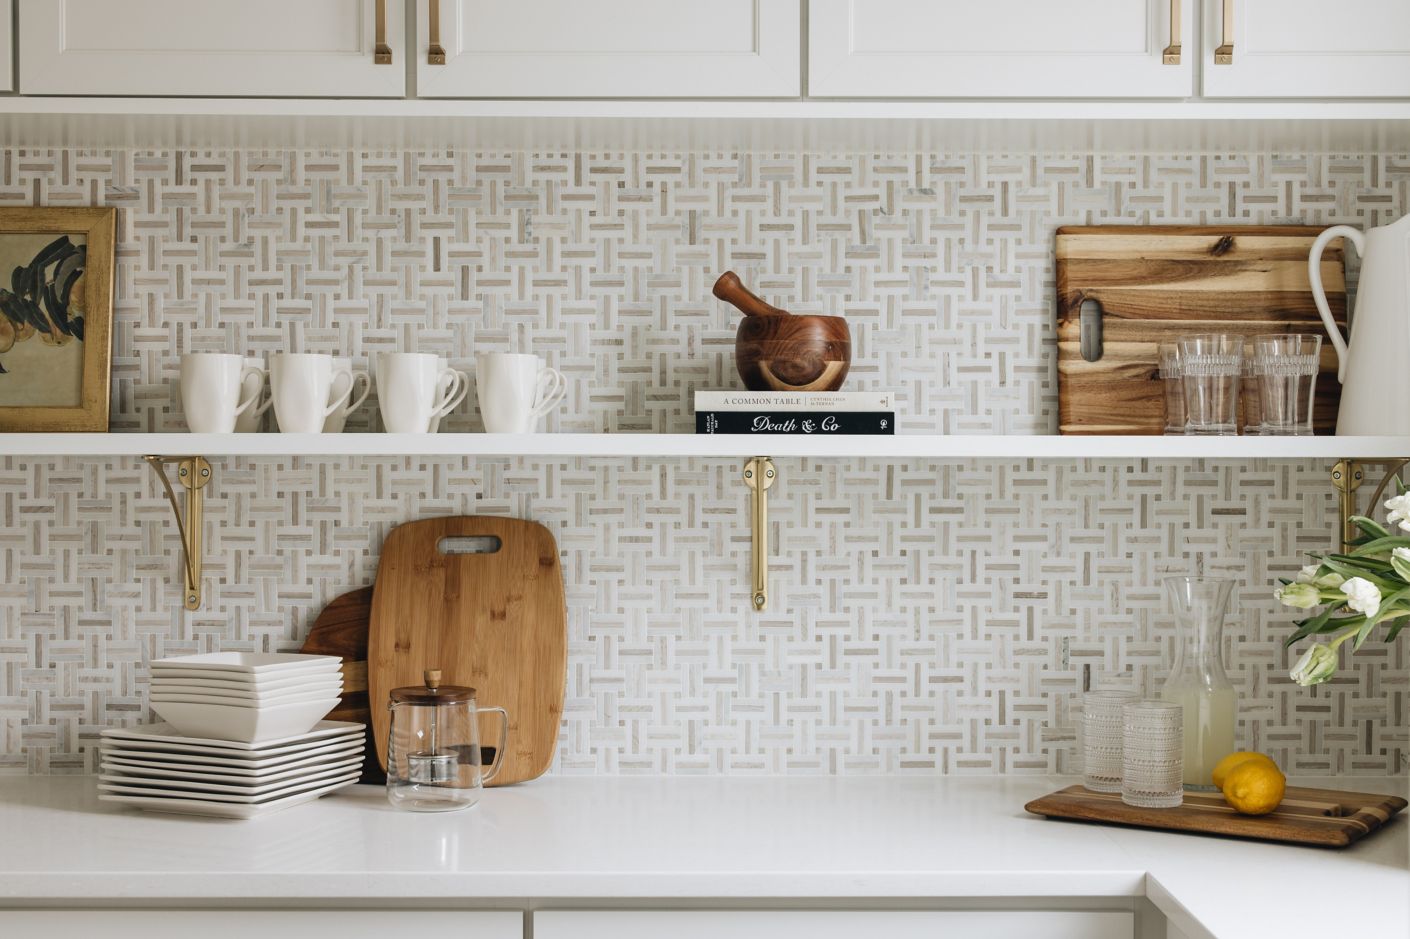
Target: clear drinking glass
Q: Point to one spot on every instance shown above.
(1152, 756)
(1286, 367)
(1102, 731)
(1172, 379)
(1197, 680)
(1213, 366)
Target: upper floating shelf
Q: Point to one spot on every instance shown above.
(1157, 126)
(720, 446)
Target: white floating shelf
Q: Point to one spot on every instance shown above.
(720, 446)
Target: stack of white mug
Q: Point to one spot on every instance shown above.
(314, 393)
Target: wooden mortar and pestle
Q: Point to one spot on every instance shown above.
(775, 350)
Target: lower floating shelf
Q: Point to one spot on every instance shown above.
(718, 446)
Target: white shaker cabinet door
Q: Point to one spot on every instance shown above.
(257, 48)
(261, 924)
(832, 925)
(1307, 48)
(609, 48)
(7, 46)
(1000, 48)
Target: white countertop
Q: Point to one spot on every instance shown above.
(625, 838)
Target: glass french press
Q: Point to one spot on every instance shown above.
(433, 749)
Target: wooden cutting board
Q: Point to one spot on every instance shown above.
(1326, 818)
(1157, 283)
(341, 629)
(480, 598)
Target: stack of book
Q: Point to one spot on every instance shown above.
(822, 413)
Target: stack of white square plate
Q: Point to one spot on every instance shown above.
(154, 768)
(249, 697)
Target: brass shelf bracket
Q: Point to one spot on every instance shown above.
(1347, 476)
(759, 475)
(193, 472)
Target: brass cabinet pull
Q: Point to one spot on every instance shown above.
(382, 53)
(1171, 55)
(1224, 54)
(436, 54)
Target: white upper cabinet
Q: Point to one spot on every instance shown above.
(7, 46)
(1307, 48)
(1000, 48)
(610, 48)
(294, 48)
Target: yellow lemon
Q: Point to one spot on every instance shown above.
(1254, 787)
(1226, 765)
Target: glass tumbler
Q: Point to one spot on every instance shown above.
(1213, 366)
(1286, 367)
(1103, 730)
(1172, 380)
(1152, 754)
(433, 747)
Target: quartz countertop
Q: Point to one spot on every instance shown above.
(755, 838)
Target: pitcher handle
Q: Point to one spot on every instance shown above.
(1319, 296)
(503, 742)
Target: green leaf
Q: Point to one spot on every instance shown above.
(1390, 609)
(1315, 624)
(1369, 526)
(1395, 629)
(1380, 545)
(1402, 567)
(1356, 570)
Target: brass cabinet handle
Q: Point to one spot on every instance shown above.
(1224, 54)
(1171, 55)
(436, 53)
(382, 53)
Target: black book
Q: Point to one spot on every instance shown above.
(815, 423)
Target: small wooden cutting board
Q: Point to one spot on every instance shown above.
(481, 599)
(1327, 818)
(1155, 284)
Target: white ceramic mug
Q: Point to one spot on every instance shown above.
(413, 390)
(211, 385)
(515, 391)
(301, 384)
(251, 418)
(342, 394)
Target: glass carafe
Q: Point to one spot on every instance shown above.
(433, 747)
(1197, 680)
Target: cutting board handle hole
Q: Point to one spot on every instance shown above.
(469, 544)
(1089, 319)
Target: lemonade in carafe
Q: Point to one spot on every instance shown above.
(1197, 680)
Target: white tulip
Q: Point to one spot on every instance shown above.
(1308, 574)
(1402, 553)
(1362, 595)
(1398, 509)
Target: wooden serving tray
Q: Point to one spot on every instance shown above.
(1327, 818)
(1157, 283)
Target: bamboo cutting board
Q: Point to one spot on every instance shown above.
(480, 598)
(1157, 283)
(1326, 818)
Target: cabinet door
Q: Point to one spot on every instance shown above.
(296, 48)
(999, 48)
(7, 46)
(265, 924)
(1307, 48)
(839, 925)
(610, 48)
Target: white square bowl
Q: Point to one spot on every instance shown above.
(250, 664)
(161, 697)
(332, 684)
(244, 725)
(237, 681)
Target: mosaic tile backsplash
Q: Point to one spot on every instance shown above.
(925, 618)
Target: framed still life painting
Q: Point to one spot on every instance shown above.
(56, 312)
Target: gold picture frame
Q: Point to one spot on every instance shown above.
(56, 318)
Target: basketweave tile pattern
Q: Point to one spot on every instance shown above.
(926, 618)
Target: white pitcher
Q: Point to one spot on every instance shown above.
(1375, 370)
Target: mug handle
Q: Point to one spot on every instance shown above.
(1319, 296)
(339, 403)
(244, 406)
(503, 742)
(366, 389)
(552, 386)
(454, 394)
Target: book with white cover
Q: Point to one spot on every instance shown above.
(775, 401)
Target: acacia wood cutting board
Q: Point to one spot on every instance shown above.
(1156, 283)
(1327, 818)
(495, 620)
